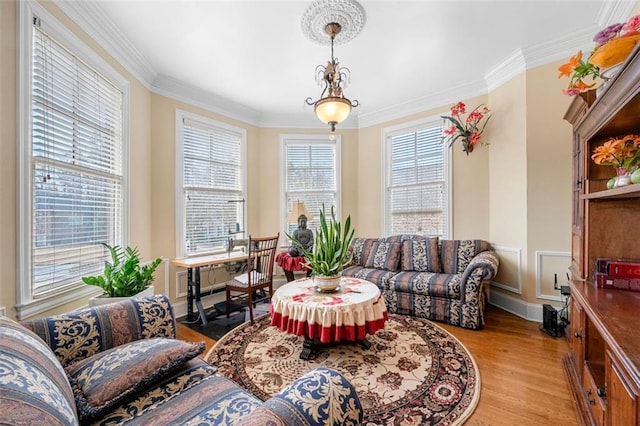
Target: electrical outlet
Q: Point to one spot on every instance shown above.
(3, 311)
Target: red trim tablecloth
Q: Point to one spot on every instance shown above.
(352, 312)
(291, 263)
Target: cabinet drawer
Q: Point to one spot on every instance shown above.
(594, 402)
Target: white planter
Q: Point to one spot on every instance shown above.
(103, 300)
(327, 283)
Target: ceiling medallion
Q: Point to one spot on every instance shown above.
(347, 13)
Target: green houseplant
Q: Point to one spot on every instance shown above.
(123, 276)
(330, 252)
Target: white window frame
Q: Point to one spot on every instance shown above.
(180, 205)
(413, 126)
(27, 305)
(293, 139)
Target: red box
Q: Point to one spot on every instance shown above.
(619, 283)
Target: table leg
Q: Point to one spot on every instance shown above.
(309, 348)
(190, 289)
(202, 313)
(289, 275)
(365, 343)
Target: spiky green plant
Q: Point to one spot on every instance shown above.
(330, 252)
(123, 276)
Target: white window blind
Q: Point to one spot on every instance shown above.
(213, 193)
(311, 177)
(416, 184)
(77, 166)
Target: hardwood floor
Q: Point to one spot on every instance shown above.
(520, 371)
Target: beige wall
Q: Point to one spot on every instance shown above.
(8, 155)
(549, 185)
(514, 193)
(470, 179)
(530, 190)
(508, 178)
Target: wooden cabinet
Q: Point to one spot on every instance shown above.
(603, 363)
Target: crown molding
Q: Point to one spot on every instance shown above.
(423, 103)
(560, 48)
(183, 92)
(614, 11)
(90, 17)
(504, 71)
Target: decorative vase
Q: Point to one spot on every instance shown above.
(327, 283)
(623, 177)
(467, 146)
(614, 51)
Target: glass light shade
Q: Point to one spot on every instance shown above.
(333, 110)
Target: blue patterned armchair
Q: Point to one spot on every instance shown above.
(121, 364)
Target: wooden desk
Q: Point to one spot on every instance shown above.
(193, 265)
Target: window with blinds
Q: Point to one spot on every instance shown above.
(213, 185)
(311, 176)
(416, 187)
(76, 157)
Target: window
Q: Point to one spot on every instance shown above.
(311, 175)
(417, 180)
(212, 173)
(72, 172)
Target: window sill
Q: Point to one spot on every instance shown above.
(46, 303)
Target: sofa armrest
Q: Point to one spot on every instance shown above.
(80, 334)
(320, 397)
(483, 267)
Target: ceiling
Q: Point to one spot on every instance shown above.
(251, 60)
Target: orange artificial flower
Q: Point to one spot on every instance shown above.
(567, 69)
(623, 152)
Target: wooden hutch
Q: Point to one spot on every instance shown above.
(603, 363)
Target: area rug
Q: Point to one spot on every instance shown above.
(414, 373)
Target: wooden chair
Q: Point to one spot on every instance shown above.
(258, 274)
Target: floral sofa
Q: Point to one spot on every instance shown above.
(441, 280)
(121, 364)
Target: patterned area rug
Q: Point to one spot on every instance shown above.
(415, 372)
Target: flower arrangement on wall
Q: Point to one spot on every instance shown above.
(613, 45)
(467, 129)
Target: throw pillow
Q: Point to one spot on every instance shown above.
(421, 255)
(384, 255)
(360, 249)
(102, 381)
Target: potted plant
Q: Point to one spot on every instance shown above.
(123, 277)
(330, 252)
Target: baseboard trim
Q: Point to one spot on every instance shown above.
(528, 311)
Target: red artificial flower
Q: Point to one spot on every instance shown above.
(450, 130)
(474, 116)
(468, 129)
(474, 138)
(459, 108)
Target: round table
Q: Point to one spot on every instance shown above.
(348, 314)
